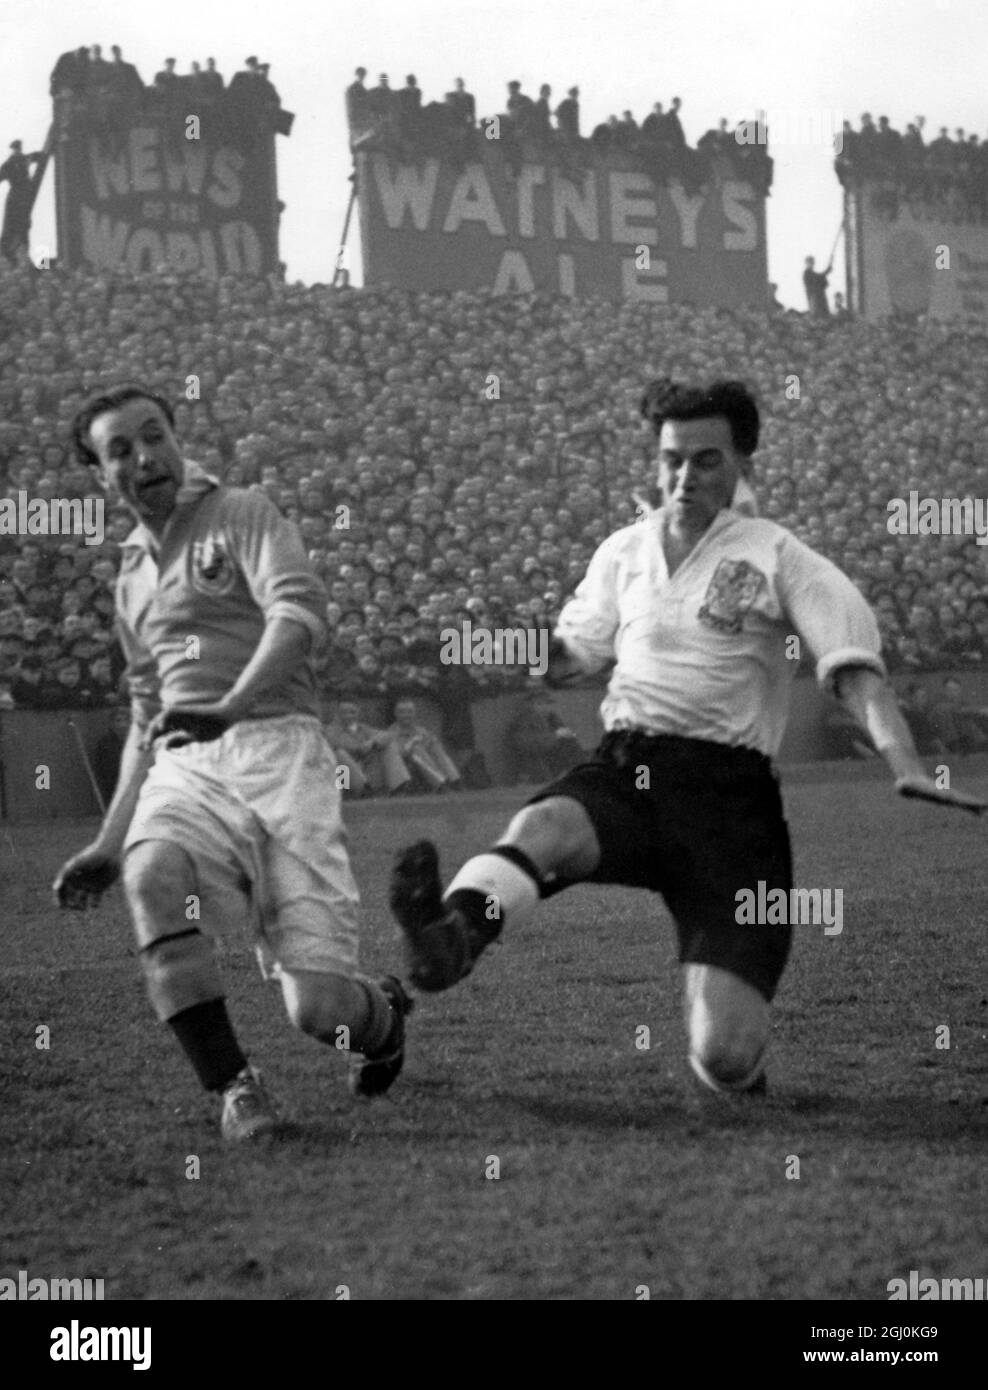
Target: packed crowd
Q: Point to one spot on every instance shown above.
(948, 175)
(367, 417)
(396, 120)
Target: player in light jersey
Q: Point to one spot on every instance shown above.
(226, 809)
(697, 605)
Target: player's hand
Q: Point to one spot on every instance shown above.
(83, 879)
(925, 789)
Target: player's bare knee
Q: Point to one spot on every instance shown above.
(556, 833)
(156, 873)
(729, 1048)
(729, 1060)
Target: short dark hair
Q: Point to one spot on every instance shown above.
(111, 399)
(669, 400)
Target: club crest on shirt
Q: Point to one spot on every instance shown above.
(730, 594)
(212, 569)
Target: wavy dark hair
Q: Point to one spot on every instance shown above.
(665, 399)
(111, 398)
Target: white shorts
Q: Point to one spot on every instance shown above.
(257, 811)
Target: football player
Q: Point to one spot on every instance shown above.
(702, 606)
(226, 809)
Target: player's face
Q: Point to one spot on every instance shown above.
(139, 459)
(698, 471)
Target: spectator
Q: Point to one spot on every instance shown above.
(16, 170)
(815, 284)
(462, 104)
(961, 728)
(27, 682)
(381, 101)
(422, 750)
(357, 105)
(269, 98)
(672, 132)
(70, 75)
(919, 716)
(652, 127)
(408, 103)
(521, 111)
(371, 755)
(100, 71)
(539, 744)
(212, 81)
(568, 116)
(166, 80)
(125, 81)
(541, 116)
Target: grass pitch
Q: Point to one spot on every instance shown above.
(614, 1171)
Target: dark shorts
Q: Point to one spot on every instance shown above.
(706, 822)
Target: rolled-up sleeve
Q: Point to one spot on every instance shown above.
(272, 556)
(588, 623)
(827, 612)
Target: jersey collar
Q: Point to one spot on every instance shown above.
(196, 482)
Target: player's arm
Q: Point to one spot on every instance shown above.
(83, 879)
(135, 760)
(284, 644)
(583, 641)
(871, 701)
(832, 617)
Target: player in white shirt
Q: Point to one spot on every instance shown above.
(701, 606)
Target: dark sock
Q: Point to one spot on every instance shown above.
(208, 1040)
(382, 1021)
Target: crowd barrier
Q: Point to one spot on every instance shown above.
(43, 772)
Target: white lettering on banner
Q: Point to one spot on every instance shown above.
(144, 165)
(232, 249)
(627, 202)
(735, 200)
(542, 204)
(406, 188)
(473, 201)
(567, 200)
